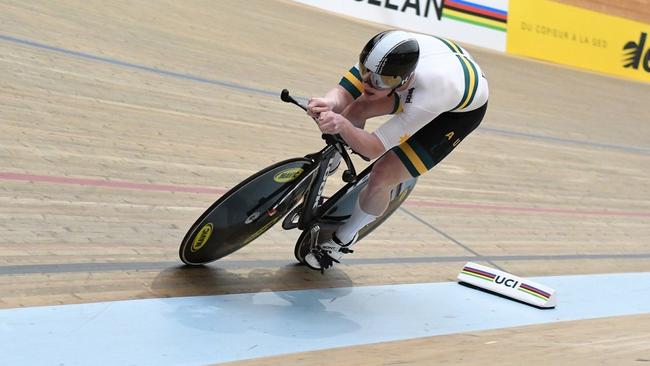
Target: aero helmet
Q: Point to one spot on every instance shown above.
(390, 57)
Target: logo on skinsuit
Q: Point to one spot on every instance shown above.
(202, 237)
(288, 175)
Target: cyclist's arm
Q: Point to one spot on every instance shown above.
(350, 87)
(393, 132)
(340, 98)
(363, 142)
(367, 144)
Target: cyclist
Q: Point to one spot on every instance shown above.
(437, 95)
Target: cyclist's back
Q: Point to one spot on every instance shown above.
(447, 79)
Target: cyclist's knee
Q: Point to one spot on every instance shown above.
(386, 173)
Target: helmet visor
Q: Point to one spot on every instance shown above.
(380, 81)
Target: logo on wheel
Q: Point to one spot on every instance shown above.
(202, 237)
(288, 175)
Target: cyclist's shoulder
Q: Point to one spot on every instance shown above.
(432, 44)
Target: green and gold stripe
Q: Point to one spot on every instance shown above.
(352, 82)
(414, 157)
(452, 46)
(478, 276)
(533, 294)
(471, 82)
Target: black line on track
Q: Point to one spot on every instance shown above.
(478, 256)
(248, 89)
(252, 264)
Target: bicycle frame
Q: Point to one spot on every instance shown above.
(318, 175)
(311, 215)
(297, 196)
(316, 178)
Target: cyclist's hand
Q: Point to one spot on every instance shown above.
(332, 123)
(317, 106)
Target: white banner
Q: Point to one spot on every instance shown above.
(478, 22)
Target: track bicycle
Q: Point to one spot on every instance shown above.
(291, 189)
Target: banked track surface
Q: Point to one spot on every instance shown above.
(547, 148)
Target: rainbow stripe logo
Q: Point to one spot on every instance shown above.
(476, 14)
(491, 277)
(478, 273)
(534, 291)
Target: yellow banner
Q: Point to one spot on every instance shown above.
(577, 37)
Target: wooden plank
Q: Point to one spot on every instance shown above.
(610, 341)
(178, 95)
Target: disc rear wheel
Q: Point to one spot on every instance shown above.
(243, 213)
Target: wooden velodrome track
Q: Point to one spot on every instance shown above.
(121, 122)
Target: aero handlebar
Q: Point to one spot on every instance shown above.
(284, 95)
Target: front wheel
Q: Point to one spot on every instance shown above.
(242, 214)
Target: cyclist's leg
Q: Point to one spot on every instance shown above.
(386, 173)
(373, 200)
(357, 113)
(424, 150)
(417, 155)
